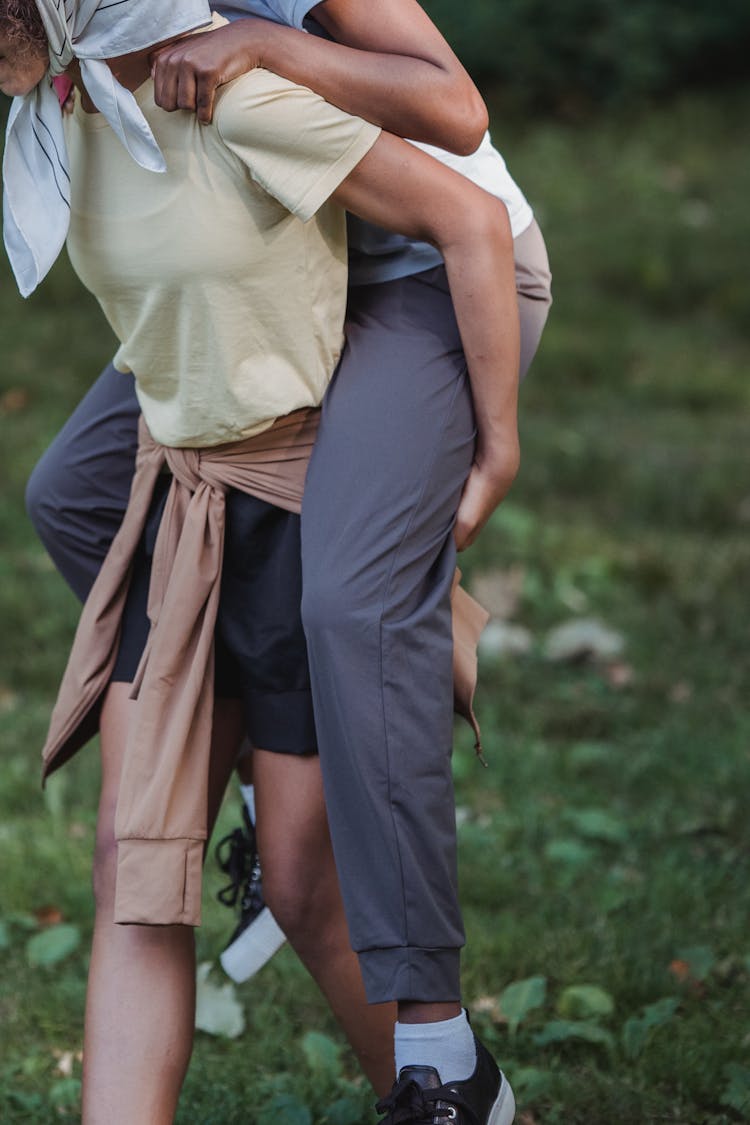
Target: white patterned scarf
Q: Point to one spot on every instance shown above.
(36, 179)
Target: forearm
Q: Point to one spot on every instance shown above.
(406, 95)
(481, 275)
(398, 187)
(387, 63)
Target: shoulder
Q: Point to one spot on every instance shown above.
(256, 101)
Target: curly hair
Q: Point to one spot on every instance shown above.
(22, 24)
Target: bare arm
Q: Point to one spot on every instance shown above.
(399, 187)
(389, 64)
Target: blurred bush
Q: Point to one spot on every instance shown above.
(568, 57)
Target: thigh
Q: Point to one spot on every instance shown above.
(259, 623)
(291, 817)
(395, 442)
(533, 285)
(78, 491)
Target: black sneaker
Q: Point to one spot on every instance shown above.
(420, 1098)
(257, 936)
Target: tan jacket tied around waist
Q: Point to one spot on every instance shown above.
(161, 817)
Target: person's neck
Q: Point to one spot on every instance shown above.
(131, 71)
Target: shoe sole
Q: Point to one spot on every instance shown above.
(504, 1109)
(253, 948)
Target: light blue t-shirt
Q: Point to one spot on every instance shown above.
(375, 254)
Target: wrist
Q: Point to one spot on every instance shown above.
(251, 38)
(495, 442)
(262, 37)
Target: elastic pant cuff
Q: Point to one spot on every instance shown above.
(159, 882)
(406, 973)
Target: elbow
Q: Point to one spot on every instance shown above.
(470, 224)
(468, 119)
(453, 115)
(492, 222)
(475, 122)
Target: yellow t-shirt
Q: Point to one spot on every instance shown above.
(225, 277)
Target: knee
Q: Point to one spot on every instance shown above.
(323, 602)
(287, 901)
(335, 603)
(38, 507)
(302, 906)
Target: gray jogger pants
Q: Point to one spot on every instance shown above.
(393, 451)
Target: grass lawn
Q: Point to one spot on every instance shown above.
(606, 851)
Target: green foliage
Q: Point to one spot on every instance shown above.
(548, 55)
(560, 1031)
(284, 1109)
(322, 1054)
(638, 1030)
(700, 959)
(52, 945)
(520, 998)
(737, 1092)
(584, 1001)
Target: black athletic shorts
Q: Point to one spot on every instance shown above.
(261, 655)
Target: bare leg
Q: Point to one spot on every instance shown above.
(141, 991)
(302, 889)
(244, 765)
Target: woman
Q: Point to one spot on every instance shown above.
(488, 332)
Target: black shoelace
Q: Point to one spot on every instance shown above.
(409, 1104)
(234, 855)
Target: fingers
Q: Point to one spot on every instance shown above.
(205, 92)
(482, 493)
(181, 82)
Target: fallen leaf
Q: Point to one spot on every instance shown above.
(502, 639)
(217, 1009)
(8, 700)
(463, 815)
(14, 400)
(619, 674)
(583, 638)
(48, 915)
(64, 1063)
(696, 214)
(499, 591)
(490, 1007)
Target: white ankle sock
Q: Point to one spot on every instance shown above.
(448, 1045)
(248, 796)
